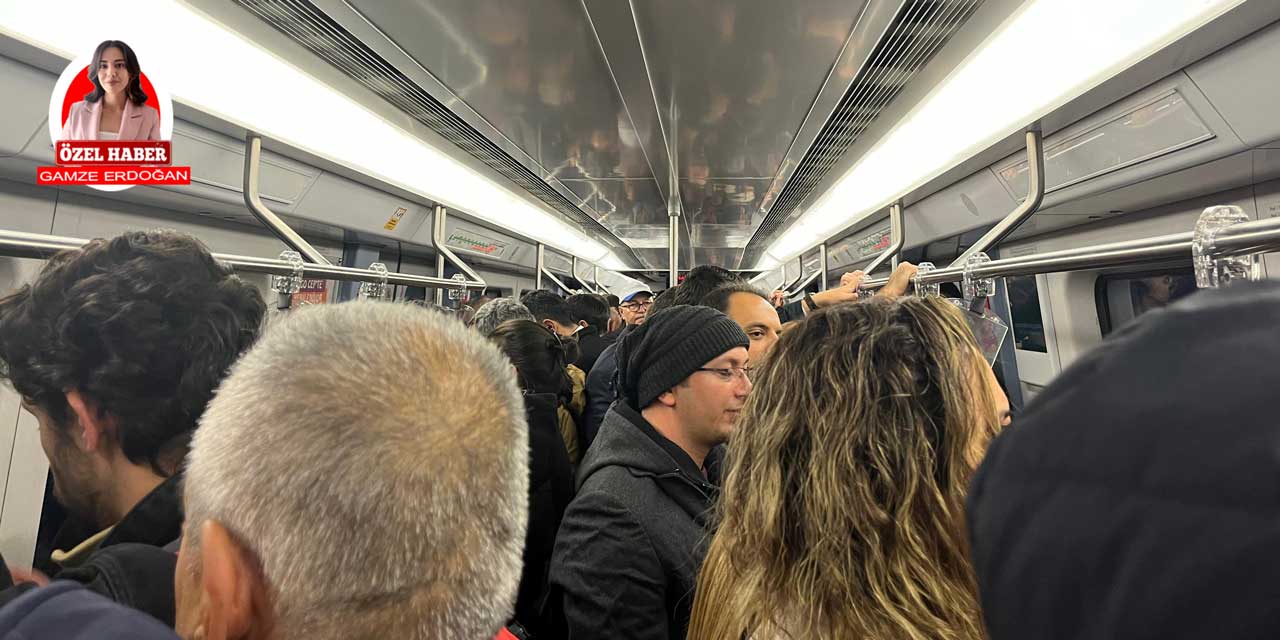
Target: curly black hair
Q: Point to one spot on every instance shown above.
(145, 325)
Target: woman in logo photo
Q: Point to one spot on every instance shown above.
(116, 109)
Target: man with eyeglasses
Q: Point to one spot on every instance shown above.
(632, 541)
(635, 306)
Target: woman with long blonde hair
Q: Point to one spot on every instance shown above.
(841, 514)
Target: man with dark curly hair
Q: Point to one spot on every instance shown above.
(116, 348)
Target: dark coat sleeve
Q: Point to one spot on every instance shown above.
(793, 311)
(600, 395)
(608, 573)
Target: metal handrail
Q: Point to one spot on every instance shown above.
(252, 157)
(823, 265)
(543, 271)
(442, 248)
(1035, 196)
(896, 238)
(585, 283)
(29, 245)
(1260, 236)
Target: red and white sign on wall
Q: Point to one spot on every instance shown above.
(312, 292)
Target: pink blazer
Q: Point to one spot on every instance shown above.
(139, 122)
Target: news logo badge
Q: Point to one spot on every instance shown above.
(91, 147)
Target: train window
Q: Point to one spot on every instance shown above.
(1024, 307)
(1124, 297)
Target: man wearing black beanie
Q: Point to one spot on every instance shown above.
(632, 541)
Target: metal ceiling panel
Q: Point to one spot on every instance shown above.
(917, 32)
(733, 82)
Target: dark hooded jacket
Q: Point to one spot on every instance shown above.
(550, 490)
(591, 343)
(1139, 497)
(68, 611)
(601, 392)
(633, 539)
(129, 564)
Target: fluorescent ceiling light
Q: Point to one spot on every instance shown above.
(1049, 53)
(215, 70)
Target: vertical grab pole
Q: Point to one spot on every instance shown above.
(252, 172)
(1035, 196)
(822, 266)
(896, 239)
(674, 243)
(542, 256)
(437, 231)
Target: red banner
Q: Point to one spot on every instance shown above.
(111, 152)
(112, 175)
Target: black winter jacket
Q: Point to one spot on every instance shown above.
(600, 392)
(1139, 496)
(633, 539)
(590, 345)
(550, 490)
(129, 566)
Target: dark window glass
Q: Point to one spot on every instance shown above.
(1126, 297)
(1024, 306)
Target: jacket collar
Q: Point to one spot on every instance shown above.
(627, 440)
(130, 121)
(156, 521)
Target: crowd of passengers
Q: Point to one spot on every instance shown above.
(702, 463)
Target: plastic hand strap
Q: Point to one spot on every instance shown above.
(292, 283)
(1215, 271)
(375, 290)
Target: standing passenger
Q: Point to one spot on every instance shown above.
(632, 540)
(751, 309)
(1137, 498)
(591, 312)
(325, 504)
(538, 357)
(116, 348)
(842, 512)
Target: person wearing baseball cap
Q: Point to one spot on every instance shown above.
(635, 306)
(631, 542)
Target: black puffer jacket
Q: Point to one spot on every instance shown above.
(550, 490)
(1139, 497)
(633, 539)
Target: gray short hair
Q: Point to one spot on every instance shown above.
(498, 311)
(374, 457)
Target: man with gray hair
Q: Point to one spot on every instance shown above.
(496, 312)
(361, 473)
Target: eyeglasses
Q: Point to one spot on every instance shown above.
(729, 374)
(637, 305)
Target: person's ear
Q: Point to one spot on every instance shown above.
(94, 425)
(232, 583)
(668, 399)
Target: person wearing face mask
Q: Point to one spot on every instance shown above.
(116, 109)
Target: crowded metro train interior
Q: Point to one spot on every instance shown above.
(640, 319)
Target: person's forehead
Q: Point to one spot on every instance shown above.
(731, 358)
(743, 303)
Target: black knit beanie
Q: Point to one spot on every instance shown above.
(669, 347)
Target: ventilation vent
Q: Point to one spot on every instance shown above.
(321, 35)
(916, 33)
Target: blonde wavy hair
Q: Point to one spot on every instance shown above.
(842, 509)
